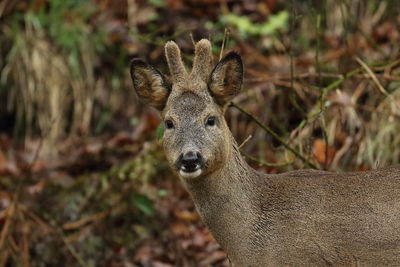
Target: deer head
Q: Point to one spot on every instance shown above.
(196, 139)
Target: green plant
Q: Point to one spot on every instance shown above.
(273, 24)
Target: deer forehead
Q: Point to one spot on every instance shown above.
(189, 105)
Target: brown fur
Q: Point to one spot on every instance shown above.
(175, 63)
(144, 77)
(299, 218)
(202, 64)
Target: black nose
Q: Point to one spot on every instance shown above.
(190, 161)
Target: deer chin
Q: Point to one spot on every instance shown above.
(190, 175)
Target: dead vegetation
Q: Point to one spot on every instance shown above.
(83, 180)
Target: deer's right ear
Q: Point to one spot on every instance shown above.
(150, 85)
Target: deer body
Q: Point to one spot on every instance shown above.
(299, 218)
(302, 218)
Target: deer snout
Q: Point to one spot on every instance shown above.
(190, 163)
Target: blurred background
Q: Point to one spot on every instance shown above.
(83, 179)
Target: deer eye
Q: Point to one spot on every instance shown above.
(169, 124)
(211, 121)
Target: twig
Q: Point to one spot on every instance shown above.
(325, 136)
(245, 141)
(323, 75)
(72, 249)
(317, 55)
(389, 65)
(274, 135)
(338, 155)
(266, 164)
(4, 254)
(292, 97)
(58, 230)
(35, 157)
(86, 220)
(36, 218)
(338, 82)
(372, 75)
(192, 39)
(224, 42)
(13, 206)
(13, 245)
(7, 224)
(3, 7)
(378, 84)
(369, 40)
(333, 86)
(319, 80)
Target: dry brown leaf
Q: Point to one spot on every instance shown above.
(180, 229)
(143, 254)
(215, 257)
(161, 264)
(321, 153)
(7, 167)
(186, 215)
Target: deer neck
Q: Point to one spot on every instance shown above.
(225, 200)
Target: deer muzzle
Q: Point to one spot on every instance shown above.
(190, 164)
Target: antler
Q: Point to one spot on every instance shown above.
(202, 63)
(175, 64)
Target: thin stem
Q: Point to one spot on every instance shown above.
(274, 135)
(58, 230)
(266, 164)
(224, 43)
(245, 141)
(292, 97)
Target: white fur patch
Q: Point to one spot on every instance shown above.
(190, 174)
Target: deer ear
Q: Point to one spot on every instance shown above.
(150, 85)
(226, 79)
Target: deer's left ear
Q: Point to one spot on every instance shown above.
(150, 85)
(226, 79)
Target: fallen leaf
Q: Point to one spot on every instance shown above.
(186, 215)
(215, 257)
(161, 264)
(180, 229)
(321, 153)
(143, 254)
(7, 167)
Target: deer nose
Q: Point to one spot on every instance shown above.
(190, 161)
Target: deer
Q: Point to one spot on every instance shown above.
(298, 218)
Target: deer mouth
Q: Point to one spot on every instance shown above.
(191, 174)
(189, 165)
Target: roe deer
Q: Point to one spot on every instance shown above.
(299, 218)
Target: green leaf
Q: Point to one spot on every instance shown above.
(271, 26)
(143, 203)
(162, 192)
(134, 121)
(275, 23)
(160, 131)
(157, 3)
